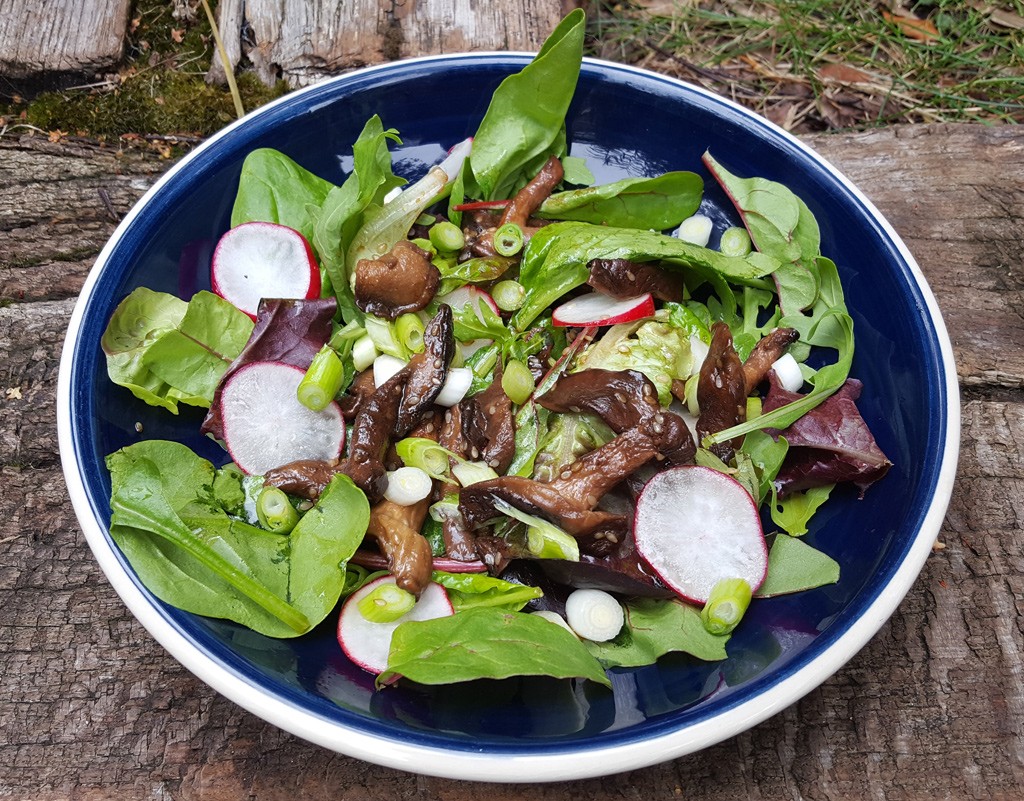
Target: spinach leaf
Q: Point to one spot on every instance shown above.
(191, 554)
(487, 643)
(273, 188)
(524, 123)
(767, 454)
(576, 171)
(793, 566)
(556, 257)
(781, 225)
(648, 203)
(478, 590)
(654, 628)
(202, 337)
(342, 211)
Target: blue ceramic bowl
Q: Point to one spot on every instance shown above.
(625, 122)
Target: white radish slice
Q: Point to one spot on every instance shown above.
(367, 643)
(596, 308)
(458, 299)
(263, 260)
(695, 526)
(456, 385)
(265, 425)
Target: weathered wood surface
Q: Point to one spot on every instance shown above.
(81, 37)
(301, 41)
(932, 708)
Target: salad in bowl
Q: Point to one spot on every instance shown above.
(497, 433)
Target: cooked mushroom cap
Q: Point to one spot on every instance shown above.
(622, 278)
(398, 282)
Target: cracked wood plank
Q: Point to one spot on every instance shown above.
(302, 41)
(77, 38)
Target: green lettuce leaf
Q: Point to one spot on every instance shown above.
(658, 350)
(649, 203)
(794, 566)
(556, 257)
(478, 590)
(194, 356)
(654, 628)
(202, 338)
(341, 215)
(487, 643)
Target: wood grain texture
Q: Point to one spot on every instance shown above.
(932, 708)
(86, 36)
(301, 41)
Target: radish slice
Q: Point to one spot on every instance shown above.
(366, 643)
(695, 526)
(458, 298)
(598, 309)
(265, 425)
(263, 260)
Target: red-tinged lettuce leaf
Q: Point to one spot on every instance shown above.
(829, 444)
(289, 331)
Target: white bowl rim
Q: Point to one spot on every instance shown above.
(538, 766)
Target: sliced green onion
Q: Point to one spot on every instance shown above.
(386, 603)
(508, 239)
(322, 380)
(445, 509)
(509, 295)
(427, 455)
(735, 242)
(275, 512)
(726, 606)
(426, 219)
(425, 244)
(447, 236)
(550, 542)
(347, 336)
(753, 407)
(467, 473)
(408, 485)
(544, 539)
(409, 331)
(363, 353)
(384, 338)
(517, 382)
(594, 614)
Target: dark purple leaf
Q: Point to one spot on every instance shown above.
(829, 444)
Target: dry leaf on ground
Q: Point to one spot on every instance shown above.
(921, 29)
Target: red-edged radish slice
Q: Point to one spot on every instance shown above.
(265, 425)
(596, 308)
(263, 260)
(458, 298)
(695, 526)
(367, 643)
